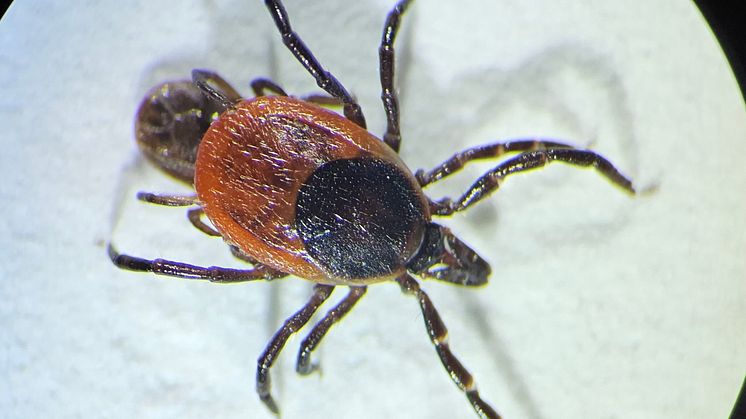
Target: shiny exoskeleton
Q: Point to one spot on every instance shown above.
(296, 189)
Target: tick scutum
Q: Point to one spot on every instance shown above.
(360, 218)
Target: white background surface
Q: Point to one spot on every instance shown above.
(599, 305)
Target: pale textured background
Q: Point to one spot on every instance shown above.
(600, 306)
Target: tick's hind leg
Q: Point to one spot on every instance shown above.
(438, 333)
(187, 271)
(291, 325)
(392, 137)
(491, 181)
(303, 365)
(323, 78)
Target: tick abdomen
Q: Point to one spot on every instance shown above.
(256, 158)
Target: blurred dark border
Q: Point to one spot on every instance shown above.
(727, 18)
(739, 410)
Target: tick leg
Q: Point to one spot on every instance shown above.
(168, 200)
(490, 181)
(221, 85)
(323, 78)
(323, 100)
(438, 333)
(392, 137)
(217, 83)
(183, 270)
(195, 217)
(215, 88)
(482, 152)
(303, 365)
(292, 325)
(238, 254)
(261, 86)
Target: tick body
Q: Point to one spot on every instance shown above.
(311, 193)
(296, 189)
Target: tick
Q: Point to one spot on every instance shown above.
(297, 189)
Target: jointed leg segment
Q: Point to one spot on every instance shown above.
(438, 333)
(261, 86)
(194, 214)
(392, 137)
(323, 78)
(168, 200)
(187, 271)
(292, 325)
(491, 181)
(215, 88)
(195, 217)
(483, 152)
(303, 365)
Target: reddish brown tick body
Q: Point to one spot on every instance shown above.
(260, 154)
